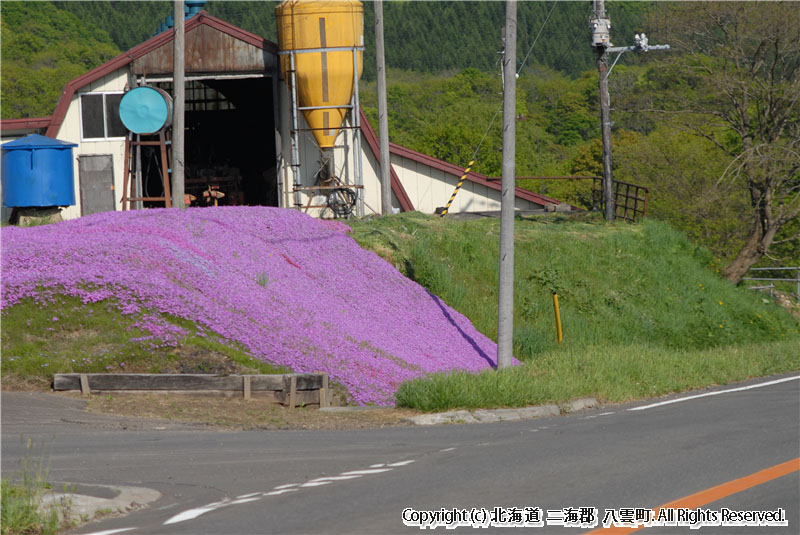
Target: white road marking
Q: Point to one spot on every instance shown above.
(401, 463)
(246, 500)
(110, 531)
(365, 472)
(334, 478)
(605, 413)
(282, 491)
(189, 515)
(716, 393)
(379, 465)
(447, 449)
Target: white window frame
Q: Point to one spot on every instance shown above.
(105, 115)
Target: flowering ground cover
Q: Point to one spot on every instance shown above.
(294, 291)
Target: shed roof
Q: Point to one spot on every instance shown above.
(139, 51)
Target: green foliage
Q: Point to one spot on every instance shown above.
(43, 48)
(683, 173)
(618, 285)
(127, 23)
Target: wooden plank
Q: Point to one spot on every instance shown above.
(85, 385)
(292, 391)
(323, 391)
(193, 382)
(114, 381)
(305, 381)
(306, 398)
(246, 386)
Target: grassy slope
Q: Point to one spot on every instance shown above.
(66, 336)
(643, 313)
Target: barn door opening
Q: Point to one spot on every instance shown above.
(230, 141)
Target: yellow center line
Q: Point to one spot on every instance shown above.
(716, 493)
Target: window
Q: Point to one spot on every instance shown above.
(100, 116)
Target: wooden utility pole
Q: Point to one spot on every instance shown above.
(179, 96)
(383, 119)
(505, 303)
(601, 26)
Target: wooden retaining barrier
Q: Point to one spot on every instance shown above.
(291, 389)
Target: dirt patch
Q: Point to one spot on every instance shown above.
(240, 414)
(13, 382)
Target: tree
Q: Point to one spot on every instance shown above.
(737, 86)
(43, 48)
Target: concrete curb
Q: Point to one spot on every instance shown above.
(497, 415)
(82, 502)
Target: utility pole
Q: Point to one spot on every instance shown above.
(383, 118)
(178, 118)
(600, 25)
(601, 40)
(505, 302)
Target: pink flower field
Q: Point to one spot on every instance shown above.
(295, 291)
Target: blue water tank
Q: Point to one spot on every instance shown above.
(37, 171)
(193, 7)
(146, 110)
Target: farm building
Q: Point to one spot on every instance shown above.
(241, 138)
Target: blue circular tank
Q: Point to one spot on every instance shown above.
(146, 110)
(37, 171)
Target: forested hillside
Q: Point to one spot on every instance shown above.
(43, 48)
(429, 37)
(712, 127)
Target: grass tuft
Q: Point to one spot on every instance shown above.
(22, 511)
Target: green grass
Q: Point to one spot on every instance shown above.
(615, 374)
(68, 336)
(21, 510)
(631, 298)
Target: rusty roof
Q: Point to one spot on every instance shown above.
(151, 45)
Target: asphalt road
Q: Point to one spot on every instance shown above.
(361, 481)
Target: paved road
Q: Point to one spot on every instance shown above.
(361, 481)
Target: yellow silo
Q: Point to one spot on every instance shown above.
(324, 78)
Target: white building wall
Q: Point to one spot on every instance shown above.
(70, 131)
(430, 188)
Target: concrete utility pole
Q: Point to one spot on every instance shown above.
(505, 304)
(383, 117)
(600, 25)
(179, 96)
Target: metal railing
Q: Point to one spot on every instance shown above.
(630, 200)
(773, 280)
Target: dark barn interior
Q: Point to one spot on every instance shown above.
(229, 144)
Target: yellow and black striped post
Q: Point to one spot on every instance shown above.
(458, 187)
